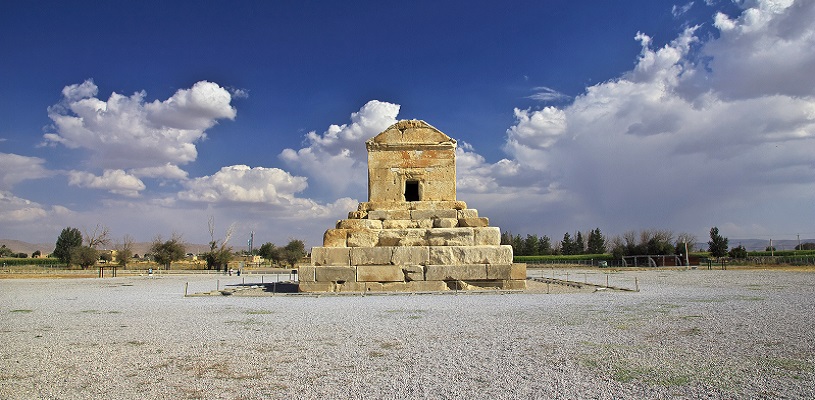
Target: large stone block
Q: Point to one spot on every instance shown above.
(474, 222)
(385, 215)
(413, 272)
(398, 224)
(305, 273)
(331, 256)
(413, 255)
(403, 237)
(455, 272)
(335, 274)
(407, 287)
(380, 273)
(514, 284)
(450, 237)
(456, 255)
(487, 236)
(438, 205)
(384, 205)
(518, 271)
(359, 224)
(468, 213)
(357, 214)
(371, 255)
(504, 272)
(335, 238)
(431, 214)
(311, 287)
(349, 287)
(363, 237)
(445, 223)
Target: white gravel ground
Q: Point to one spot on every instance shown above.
(687, 334)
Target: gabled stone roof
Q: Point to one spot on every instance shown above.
(411, 133)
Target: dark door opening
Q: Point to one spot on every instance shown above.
(412, 191)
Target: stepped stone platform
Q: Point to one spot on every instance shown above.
(412, 235)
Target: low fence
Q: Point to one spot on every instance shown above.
(267, 281)
(597, 279)
(586, 263)
(789, 260)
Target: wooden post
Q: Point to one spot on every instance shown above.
(186, 286)
(636, 284)
(217, 284)
(606, 280)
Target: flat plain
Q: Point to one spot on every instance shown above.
(686, 334)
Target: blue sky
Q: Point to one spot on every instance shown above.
(152, 117)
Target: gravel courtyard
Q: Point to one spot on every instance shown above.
(686, 334)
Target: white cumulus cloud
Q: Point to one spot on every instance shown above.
(242, 184)
(115, 181)
(683, 136)
(125, 132)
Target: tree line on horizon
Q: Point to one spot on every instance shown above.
(631, 243)
(74, 247)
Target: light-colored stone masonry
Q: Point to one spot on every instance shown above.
(412, 234)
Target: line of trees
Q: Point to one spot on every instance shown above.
(645, 242)
(75, 248)
(6, 252)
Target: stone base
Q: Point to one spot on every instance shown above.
(410, 287)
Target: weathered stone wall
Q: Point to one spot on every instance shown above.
(411, 151)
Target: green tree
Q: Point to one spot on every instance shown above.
(36, 254)
(518, 246)
(5, 251)
(805, 246)
(84, 256)
(545, 245)
(738, 252)
(567, 245)
(579, 244)
(597, 244)
(717, 246)
(166, 252)
(770, 248)
(270, 252)
(531, 245)
(294, 251)
(67, 240)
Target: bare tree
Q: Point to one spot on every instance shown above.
(124, 250)
(688, 238)
(99, 237)
(220, 253)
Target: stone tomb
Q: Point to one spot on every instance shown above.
(412, 234)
